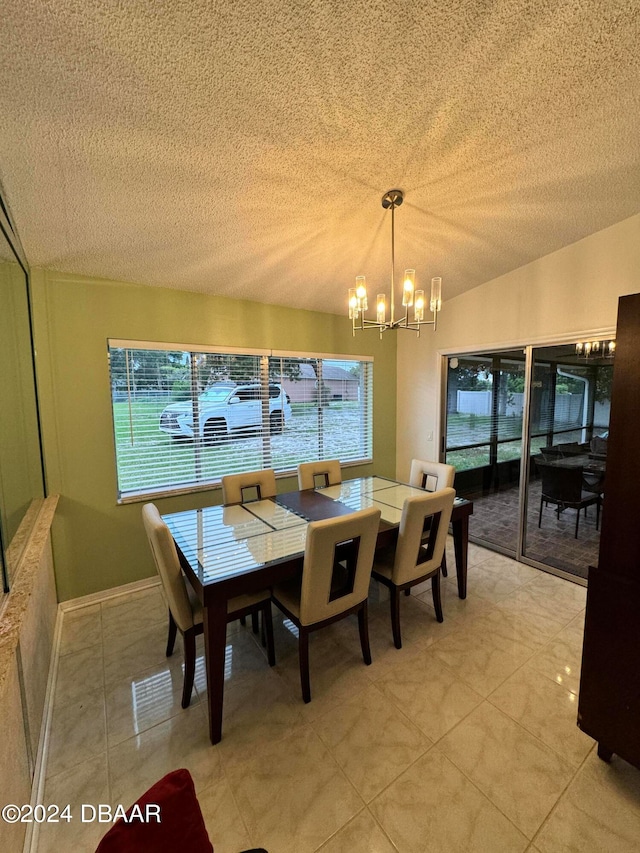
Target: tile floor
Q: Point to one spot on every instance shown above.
(465, 740)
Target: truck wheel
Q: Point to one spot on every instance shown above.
(276, 423)
(215, 433)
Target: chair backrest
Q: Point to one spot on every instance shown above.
(325, 473)
(346, 545)
(432, 476)
(165, 555)
(561, 484)
(249, 486)
(415, 557)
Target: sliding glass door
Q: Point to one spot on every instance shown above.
(485, 402)
(568, 428)
(526, 431)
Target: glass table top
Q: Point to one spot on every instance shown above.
(221, 542)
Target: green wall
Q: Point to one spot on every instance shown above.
(97, 543)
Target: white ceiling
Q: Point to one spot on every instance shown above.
(242, 147)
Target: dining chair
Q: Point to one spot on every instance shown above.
(324, 473)
(565, 487)
(185, 609)
(248, 486)
(244, 488)
(432, 476)
(335, 581)
(416, 560)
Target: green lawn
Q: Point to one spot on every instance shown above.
(148, 458)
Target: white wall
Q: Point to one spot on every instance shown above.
(568, 294)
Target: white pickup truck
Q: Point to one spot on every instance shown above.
(225, 408)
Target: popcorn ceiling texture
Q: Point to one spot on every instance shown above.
(242, 148)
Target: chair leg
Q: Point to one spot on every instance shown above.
(598, 513)
(171, 639)
(437, 601)
(243, 620)
(577, 523)
(189, 667)
(540, 516)
(444, 564)
(394, 600)
(267, 630)
(254, 622)
(303, 654)
(363, 625)
(407, 591)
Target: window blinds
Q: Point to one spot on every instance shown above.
(185, 417)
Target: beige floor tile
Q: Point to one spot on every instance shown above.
(547, 710)
(371, 740)
(506, 567)
(454, 607)
(139, 702)
(540, 601)
(518, 773)
(498, 622)
(538, 627)
(482, 659)
(224, 823)
(78, 732)
(292, 794)
(600, 812)
(79, 673)
(133, 652)
(86, 783)
(561, 661)
(336, 675)
(490, 584)
(259, 710)
(418, 623)
(429, 694)
(360, 835)
(434, 808)
(82, 628)
(126, 613)
(476, 554)
(182, 741)
(573, 596)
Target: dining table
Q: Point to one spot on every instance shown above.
(226, 551)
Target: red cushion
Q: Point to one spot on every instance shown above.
(181, 825)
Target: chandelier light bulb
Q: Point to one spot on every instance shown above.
(408, 287)
(418, 307)
(381, 308)
(436, 294)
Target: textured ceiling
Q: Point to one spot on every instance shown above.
(242, 147)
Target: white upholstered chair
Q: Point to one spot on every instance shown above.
(416, 560)
(248, 486)
(185, 610)
(335, 581)
(325, 473)
(432, 476)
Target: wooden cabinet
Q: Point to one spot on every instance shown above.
(609, 704)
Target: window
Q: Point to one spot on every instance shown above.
(183, 417)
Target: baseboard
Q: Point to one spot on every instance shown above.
(106, 594)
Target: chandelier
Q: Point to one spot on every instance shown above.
(410, 296)
(595, 349)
